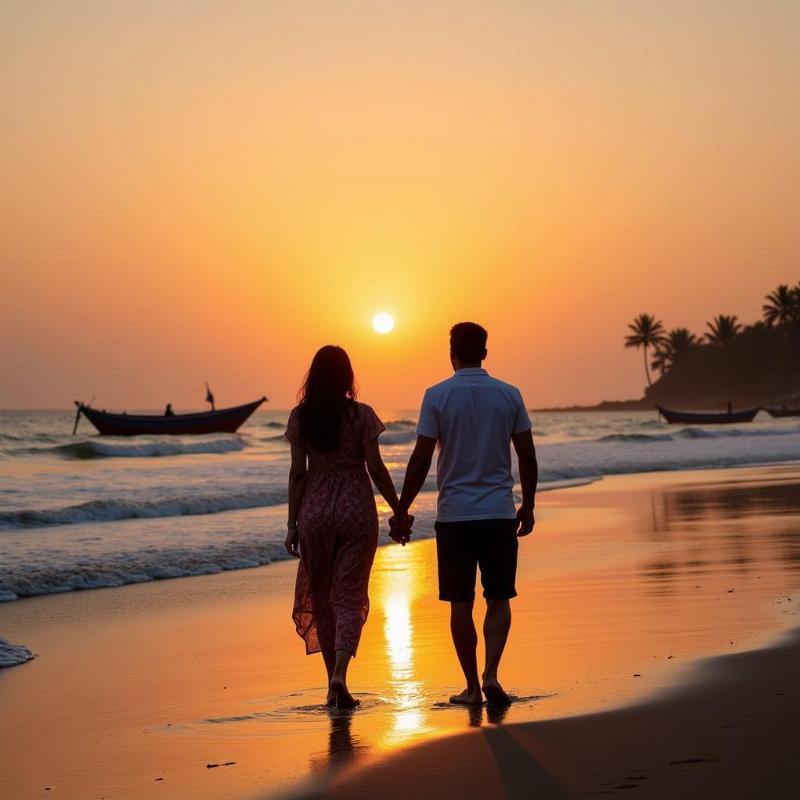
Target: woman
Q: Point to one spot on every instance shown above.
(333, 522)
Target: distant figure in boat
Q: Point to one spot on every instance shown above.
(333, 521)
(168, 412)
(730, 407)
(210, 397)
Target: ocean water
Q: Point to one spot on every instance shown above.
(84, 511)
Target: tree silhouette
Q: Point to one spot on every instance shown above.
(673, 347)
(646, 331)
(782, 306)
(722, 328)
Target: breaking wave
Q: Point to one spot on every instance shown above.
(635, 437)
(138, 567)
(113, 509)
(95, 448)
(13, 654)
(400, 431)
(695, 433)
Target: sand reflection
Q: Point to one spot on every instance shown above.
(724, 529)
(343, 747)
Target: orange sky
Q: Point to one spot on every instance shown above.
(194, 190)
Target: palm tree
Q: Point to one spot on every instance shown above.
(722, 328)
(796, 293)
(782, 305)
(646, 331)
(795, 315)
(673, 347)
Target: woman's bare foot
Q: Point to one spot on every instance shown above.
(495, 693)
(342, 697)
(331, 699)
(469, 697)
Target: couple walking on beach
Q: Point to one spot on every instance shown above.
(333, 521)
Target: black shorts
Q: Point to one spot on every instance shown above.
(463, 546)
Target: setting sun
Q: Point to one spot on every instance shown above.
(383, 323)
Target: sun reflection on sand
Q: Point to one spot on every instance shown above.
(406, 691)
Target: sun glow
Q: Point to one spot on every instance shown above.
(383, 323)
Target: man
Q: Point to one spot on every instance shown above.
(474, 418)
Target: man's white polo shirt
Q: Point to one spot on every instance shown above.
(473, 416)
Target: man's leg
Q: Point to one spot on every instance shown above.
(495, 631)
(458, 566)
(465, 639)
(498, 561)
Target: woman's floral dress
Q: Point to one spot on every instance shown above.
(337, 525)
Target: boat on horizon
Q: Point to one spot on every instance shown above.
(223, 420)
(707, 418)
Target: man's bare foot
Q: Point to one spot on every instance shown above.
(495, 693)
(341, 695)
(469, 697)
(331, 699)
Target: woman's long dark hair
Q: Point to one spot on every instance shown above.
(327, 398)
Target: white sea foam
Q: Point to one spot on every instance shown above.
(136, 567)
(13, 654)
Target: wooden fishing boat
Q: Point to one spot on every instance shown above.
(707, 418)
(783, 412)
(224, 420)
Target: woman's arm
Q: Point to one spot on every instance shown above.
(297, 485)
(380, 475)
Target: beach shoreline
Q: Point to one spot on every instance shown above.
(624, 585)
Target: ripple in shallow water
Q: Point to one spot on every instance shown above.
(515, 700)
(369, 702)
(302, 711)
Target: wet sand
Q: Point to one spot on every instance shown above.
(623, 586)
(731, 731)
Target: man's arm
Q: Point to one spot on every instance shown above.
(417, 470)
(528, 478)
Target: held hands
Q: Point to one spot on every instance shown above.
(525, 521)
(400, 527)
